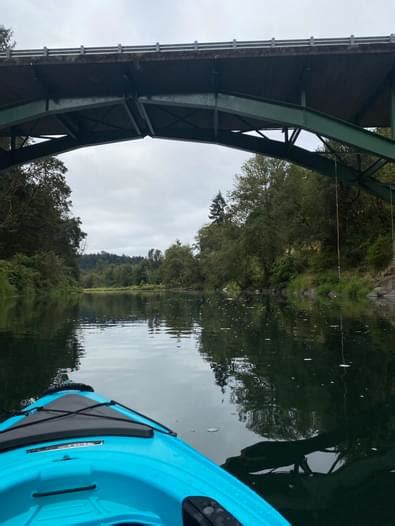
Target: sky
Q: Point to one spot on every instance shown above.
(145, 194)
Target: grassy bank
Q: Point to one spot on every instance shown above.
(323, 285)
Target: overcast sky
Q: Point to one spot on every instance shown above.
(136, 195)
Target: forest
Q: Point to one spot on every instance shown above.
(276, 227)
(40, 240)
(279, 226)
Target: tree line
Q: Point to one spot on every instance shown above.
(39, 238)
(277, 223)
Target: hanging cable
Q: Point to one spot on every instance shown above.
(337, 225)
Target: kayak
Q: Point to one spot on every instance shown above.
(74, 457)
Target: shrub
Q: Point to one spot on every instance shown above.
(380, 252)
(284, 269)
(6, 289)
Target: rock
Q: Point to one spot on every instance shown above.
(384, 290)
(309, 293)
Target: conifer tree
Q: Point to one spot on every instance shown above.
(218, 209)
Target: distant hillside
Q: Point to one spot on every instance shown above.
(93, 261)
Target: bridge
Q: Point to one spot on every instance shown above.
(228, 93)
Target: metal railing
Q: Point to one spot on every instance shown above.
(350, 41)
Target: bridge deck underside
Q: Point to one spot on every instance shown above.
(347, 83)
(83, 100)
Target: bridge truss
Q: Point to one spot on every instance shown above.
(232, 94)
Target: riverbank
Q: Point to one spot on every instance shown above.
(40, 275)
(328, 285)
(124, 290)
(351, 285)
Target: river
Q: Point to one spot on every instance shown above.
(295, 400)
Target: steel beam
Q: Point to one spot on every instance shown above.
(264, 146)
(294, 136)
(144, 114)
(374, 167)
(280, 150)
(179, 118)
(16, 115)
(69, 128)
(284, 115)
(61, 145)
(131, 117)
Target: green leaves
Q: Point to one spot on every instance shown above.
(38, 234)
(179, 268)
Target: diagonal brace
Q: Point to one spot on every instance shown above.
(284, 115)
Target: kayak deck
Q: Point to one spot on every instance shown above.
(77, 458)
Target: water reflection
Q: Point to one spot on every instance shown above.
(177, 314)
(304, 392)
(357, 487)
(284, 365)
(37, 340)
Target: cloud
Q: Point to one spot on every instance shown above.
(138, 195)
(142, 194)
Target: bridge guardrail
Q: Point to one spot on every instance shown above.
(197, 46)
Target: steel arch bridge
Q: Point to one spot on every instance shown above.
(226, 93)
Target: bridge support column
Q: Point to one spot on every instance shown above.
(393, 106)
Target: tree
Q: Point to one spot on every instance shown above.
(219, 254)
(153, 265)
(253, 184)
(218, 209)
(35, 212)
(180, 268)
(6, 41)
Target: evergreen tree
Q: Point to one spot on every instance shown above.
(218, 209)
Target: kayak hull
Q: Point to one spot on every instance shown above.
(106, 479)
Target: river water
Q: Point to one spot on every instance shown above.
(295, 400)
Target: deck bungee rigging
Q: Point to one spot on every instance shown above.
(74, 457)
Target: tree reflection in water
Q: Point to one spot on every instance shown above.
(327, 449)
(37, 341)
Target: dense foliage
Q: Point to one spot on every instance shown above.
(276, 224)
(39, 238)
(101, 259)
(110, 270)
(279, 222)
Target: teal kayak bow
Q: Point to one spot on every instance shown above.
(74, 457)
